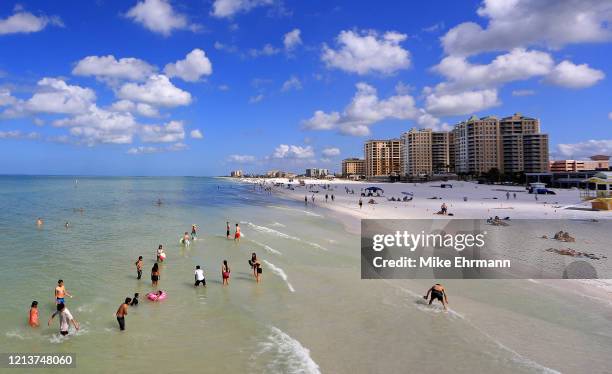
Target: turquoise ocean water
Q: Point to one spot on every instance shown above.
(311, 313)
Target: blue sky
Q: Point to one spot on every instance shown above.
(157, 87)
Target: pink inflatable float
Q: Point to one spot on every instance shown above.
(154, 296)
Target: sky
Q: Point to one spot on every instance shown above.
(170, 87)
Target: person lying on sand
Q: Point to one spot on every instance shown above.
(438, 292)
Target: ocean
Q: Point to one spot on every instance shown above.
(311, 313)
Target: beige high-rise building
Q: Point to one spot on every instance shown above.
(353, 167)
(383, 158)
(512, 144)
(416, 146)
(477, 145)
(524, 148)
(425, 152)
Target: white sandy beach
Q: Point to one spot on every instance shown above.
(483, 201)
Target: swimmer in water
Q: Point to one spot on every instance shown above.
(194, 233)
(61, 293)
(237, 234)
(227, 227)
(438, 292)
(186, 238)
(160, 251)
(39, 222)
(225, 273)
(65, 318)
(66, 225)
(139, 264)
(135, 299)
(256, 265)
(122, 312)
(155, 274)
(34, 314)
(159, 202)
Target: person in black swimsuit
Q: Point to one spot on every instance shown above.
(438, 292)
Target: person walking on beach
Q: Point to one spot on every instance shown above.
(333, 198)
(65, 318)
(61, 292)
(360, 203)
(438, 292)
(33, 321)
(237, 234)
(305, 200)
(507, 195)
(122, 312)
(155, 274)
(199, 277)
(444, 209)
(227, 228)
(139, 264)
(225, 273)
(326, 197)
(514, 195)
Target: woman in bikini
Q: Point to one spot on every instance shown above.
(225, 273)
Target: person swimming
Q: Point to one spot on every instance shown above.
(61, 293)
(194, 233)
(225, 273)
(438, 292)
(33, 321)
(39, 222)
(135, 299)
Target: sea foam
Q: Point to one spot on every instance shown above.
(289, 355)
(281, 273)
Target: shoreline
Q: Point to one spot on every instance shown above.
(599, 290)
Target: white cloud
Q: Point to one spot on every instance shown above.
(170, 132)
(6, 98)
(192, 68)
(330, 152)
(56, 96)
(266, 50)
(256, 99)
(229, 8)
(523, 92)
(25, 22)
(100, 126)
(367, 52)
(241, 159)
(570, 75)
(585, 149)
(159, 16)
(196, 134)
(292, 83)
(522, 23)
(109, 67)
(223, 87)
(225, 47)
(293, 152)
(466, 102)
(157, 90)
(149, 149)
(141, 109)
(16, 134)
(518, 64)
(364, 110)
(292, 39)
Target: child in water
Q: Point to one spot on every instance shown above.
(135, 299)
(34, 314)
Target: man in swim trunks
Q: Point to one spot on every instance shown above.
(60, 292)
(122, 312)
(139, 266)
(437, 292)
(237, 234)
(65, 318)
